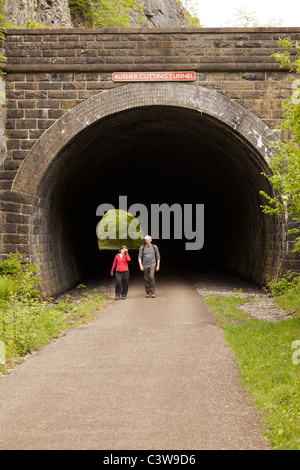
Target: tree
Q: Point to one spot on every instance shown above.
(191, 17)
(247, 19)
(285, 159)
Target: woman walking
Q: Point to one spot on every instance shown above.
(120, 267)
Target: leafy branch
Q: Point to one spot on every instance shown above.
(190, 13)
(248, 19)
(285, 159)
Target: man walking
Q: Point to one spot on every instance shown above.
(149, 261)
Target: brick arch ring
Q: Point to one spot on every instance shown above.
(126, 97)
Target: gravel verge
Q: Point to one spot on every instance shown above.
(260, 304)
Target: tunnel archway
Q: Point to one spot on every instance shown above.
(154, 143)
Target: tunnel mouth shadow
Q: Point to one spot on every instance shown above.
(155, 155)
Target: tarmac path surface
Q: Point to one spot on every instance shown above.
(146, 374)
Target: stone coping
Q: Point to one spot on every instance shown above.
(28, 31)
(88, 68)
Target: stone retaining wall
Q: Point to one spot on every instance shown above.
(49, 73)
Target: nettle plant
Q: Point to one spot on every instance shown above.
(21, 305)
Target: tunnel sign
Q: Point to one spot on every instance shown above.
(154, 76)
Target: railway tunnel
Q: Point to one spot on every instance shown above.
(154, 154)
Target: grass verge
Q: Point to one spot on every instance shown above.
(27, 328)
(268, 356)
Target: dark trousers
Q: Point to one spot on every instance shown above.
(122, 282)
(149, 276)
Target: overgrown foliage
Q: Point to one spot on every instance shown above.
(191, 17)
(289, 282)
(3, 25)
(27, 321)
(20, 303)
(286, 292)
(242, 18)
(108, 13)
(2, 20)
(285, 159)
(20, 274)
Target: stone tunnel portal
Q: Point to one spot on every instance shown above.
(153, 154)
(156, 144)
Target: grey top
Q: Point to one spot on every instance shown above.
(148, 257)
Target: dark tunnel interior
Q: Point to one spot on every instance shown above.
(155, 154)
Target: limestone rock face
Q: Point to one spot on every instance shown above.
(50, 12)
(164, 14)
(157, 13)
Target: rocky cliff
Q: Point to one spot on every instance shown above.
(56, 13)
(164, 14)
(50, 12)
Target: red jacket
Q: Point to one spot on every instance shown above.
(121, 263)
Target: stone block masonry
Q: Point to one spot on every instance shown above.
(50, 72)
(37, 100)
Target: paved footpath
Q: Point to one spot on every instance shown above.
(146, 374)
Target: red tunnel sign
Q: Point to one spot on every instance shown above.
(154, 76)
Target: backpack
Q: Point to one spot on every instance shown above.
(154, 252)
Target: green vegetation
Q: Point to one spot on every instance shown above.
(286, 292)
(3, 20)
(117, 13)
(280, 380)
(20, 276)
(108, 13)
(191, 18)
(95, 14)
(248, 19)
(117, 228)
(102, 14)
(32, 24)
(3, 26)
(285, 160)
(27, 321)
(268, 356)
